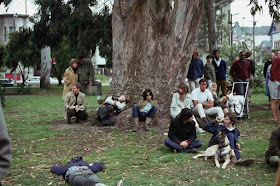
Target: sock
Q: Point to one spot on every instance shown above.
(98, 97)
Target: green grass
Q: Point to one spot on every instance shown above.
(138, 159)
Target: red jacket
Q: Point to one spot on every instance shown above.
(275, 70)
(240, 71)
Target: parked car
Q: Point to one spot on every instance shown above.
(35, 81)
(7, 82)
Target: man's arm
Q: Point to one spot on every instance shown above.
(172, 133)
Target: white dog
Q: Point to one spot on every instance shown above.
(235, 103)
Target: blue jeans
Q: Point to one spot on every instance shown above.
(143, 115)
(171, 144)
(232, 143)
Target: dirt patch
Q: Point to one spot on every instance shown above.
(254, 108)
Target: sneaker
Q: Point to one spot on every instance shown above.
(68, 121)
(193, 150)
(120, 183)
(200, 130)
(245, 162)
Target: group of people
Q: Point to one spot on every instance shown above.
(78, 78)
(182, 134)
(215, 70)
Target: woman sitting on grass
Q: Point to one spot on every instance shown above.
(144, 110)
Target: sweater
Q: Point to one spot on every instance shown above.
(61, 170)
(210, 72)
(240, 71)
(275, 70)
(196, 69)
(179, 132)
(177, 105)
(213, 127)
(142, 103)
(221, 70)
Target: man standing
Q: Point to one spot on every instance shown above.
(196, 70)
(267, 63)
(274, 89)
(241, 72)
(252, 82)
(86, 76)
(203, 102)
(75, 104)
(221, 72)
(209, 70)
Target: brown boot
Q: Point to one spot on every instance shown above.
(205, 120)
(135, 125)
(147, 123)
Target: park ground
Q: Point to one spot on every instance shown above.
(40, 138)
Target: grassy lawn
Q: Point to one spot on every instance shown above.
(40, 139)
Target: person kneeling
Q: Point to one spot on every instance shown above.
(145, 110)
(75, 104)
(182, 133)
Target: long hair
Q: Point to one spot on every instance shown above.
(185, 89)
(145, 93)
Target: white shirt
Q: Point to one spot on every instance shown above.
(200, 96)
(218, 62)
(177, 105)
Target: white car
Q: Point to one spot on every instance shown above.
(35, 81)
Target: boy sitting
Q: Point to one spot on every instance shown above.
(232, 133)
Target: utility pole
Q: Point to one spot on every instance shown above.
(254, 24)
(15, 68)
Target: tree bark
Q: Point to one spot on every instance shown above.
(152, 48)
(46, 65)
(211, 17)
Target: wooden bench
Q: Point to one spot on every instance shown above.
(17, 89)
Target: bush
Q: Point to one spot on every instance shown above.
(259, 79)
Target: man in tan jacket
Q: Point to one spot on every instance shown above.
(75, 104)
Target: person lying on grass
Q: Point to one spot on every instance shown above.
(182, 133)
(228, 125)
(79, 173)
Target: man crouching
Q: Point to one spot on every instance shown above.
(75, 104)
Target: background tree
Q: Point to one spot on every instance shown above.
(152, 45)
(21, 49)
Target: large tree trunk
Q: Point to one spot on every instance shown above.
(46, 65)
(152, 48)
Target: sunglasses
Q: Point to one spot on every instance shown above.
(148, 95)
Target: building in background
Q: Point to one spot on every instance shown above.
(274, 34)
